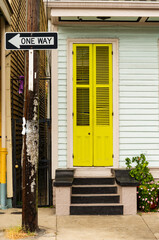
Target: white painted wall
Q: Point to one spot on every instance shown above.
(138, 89)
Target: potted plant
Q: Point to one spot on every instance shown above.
(148, 189)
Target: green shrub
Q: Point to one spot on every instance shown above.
(140, 172)
(148, 189)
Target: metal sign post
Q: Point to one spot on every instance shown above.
(31, 69)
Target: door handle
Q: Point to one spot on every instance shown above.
(89, 133)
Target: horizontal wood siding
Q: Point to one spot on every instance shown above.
(17, 70)
(138, 89)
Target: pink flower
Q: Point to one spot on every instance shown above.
(139, 196)
(143, 207)
(151, 203)
(145, 199)
(148, 201)
(152, 198)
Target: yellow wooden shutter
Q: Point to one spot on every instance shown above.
(92, 105)
(103, 132)
(82, 106)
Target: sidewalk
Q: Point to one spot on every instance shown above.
(139, 227)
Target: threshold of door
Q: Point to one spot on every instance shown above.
(93, 172)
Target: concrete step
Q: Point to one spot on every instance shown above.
(96, 209)
(94, 181)
(93, 189)
(95, 198)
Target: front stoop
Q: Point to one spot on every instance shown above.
(90, 195)
(95, 196)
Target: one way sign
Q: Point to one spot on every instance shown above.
(31, 40)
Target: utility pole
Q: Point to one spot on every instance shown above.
(31, 125)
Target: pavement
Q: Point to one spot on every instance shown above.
(142, 226)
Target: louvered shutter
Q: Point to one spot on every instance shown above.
(92, 105)
(82, 105)
(103, 139)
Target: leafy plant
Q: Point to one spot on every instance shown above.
(140, 172)
(148, 189)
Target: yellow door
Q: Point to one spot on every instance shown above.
(92, 105)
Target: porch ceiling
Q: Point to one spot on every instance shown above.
(62, 12)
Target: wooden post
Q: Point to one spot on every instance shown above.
(31, 128)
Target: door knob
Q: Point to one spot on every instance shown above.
(89, 133)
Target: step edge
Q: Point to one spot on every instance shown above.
(95, 195)
(103, 185)
(96, 204)
(95, 177)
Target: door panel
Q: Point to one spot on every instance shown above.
(92, 105)
(103, 128)
(82, 105)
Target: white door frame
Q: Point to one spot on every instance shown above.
(70, 43)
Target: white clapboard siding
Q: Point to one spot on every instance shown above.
(138, 71)
(61, 129)
(150, 158)
(62, 105)
(140, 111)
(150, 152)
(136, 128)
(138, 89)
(62, 140)
(62, 147)
(62, 155)
(62, 77)
(142, 106)
(140, 65)
(140, 147)
(138, 54)
(138, 117)
(143, 100)
(61, 100)
(137, 123)
(62, 123)
(138, 94)
(62, 152)
(138, 83)
(62, 111)
(62, 88)
(137, 77)
(139, 140)
(133, 135)
(62, 135)
(132, 60)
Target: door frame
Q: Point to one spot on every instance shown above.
(70, 43)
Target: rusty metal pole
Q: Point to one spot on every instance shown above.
(31, 129)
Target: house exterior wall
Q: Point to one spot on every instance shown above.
(5, 124)
(138, 89)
